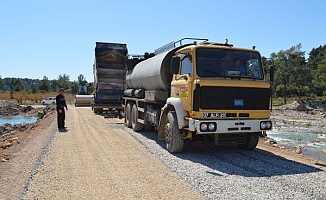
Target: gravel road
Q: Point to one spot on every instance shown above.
(99, 158)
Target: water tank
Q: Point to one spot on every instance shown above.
(153, 73)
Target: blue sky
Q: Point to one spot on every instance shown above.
(50, 38)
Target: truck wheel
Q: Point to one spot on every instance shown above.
(251, 142)
(128, 115)
(98, 110)
(174, 142)
(136, 126)
(149, 127)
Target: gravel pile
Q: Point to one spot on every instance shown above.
(8, 108)
(231, 173)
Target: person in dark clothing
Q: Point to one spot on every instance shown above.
(61, 105)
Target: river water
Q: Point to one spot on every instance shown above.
(17, 119)
(311, 138)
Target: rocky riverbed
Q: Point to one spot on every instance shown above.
(300, 127)
(8, 108)
(8, 132)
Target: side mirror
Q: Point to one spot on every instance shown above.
(271, 73)
(175, 65)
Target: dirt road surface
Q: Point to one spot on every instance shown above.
(98, 158)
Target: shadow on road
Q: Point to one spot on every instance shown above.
(234, 161)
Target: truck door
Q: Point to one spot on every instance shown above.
(182, 83)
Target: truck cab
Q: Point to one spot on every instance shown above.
(222, 91)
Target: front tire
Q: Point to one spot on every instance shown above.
(251, 142)
(174, 141)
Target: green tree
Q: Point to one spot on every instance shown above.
(64, 82)
(74, 87)
(292, 77)
(1, 82)
(316, 57)
(319, 75)
(16, 85)
(54, 85)
(81, 79)
(45, 84)
(300, 75)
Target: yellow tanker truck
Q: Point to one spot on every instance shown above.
(194, 91)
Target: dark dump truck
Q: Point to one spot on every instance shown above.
(109, 71)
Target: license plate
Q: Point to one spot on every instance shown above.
(214, 115)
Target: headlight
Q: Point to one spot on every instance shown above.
(203, 127)
(208, 127)
(266, 125)
(211, 126)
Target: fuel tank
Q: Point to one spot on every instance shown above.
(153, 73)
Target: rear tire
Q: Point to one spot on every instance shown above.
(149, 127)
(128, 115)
(251, 142)
(174, 141)
(98, 110)
(136, 126)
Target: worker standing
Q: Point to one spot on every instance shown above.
(61, 105)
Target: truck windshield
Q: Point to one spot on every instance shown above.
(82, 90)
(228, 63)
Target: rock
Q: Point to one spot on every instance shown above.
(301, 107)
(271, 141)
(298, 149)
(26, 108)
(13, 139)
(6, 145)
(2, 130)
(40, 114)
(8, 128)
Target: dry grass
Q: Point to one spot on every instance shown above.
(29, 98)
(4, 96)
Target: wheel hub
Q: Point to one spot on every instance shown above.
(167, 133)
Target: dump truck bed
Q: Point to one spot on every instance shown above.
(109, 75)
